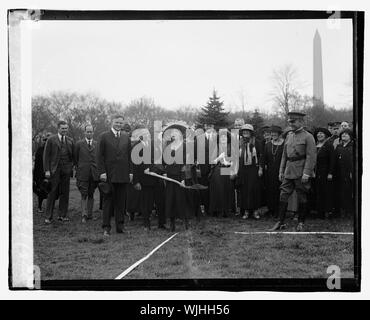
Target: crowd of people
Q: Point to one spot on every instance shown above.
(286, 169)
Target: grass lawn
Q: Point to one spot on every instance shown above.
(209, 249)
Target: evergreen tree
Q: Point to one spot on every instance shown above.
(257, 120)
(213, 113)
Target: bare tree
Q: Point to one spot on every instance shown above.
(243, 101)
(285, 93)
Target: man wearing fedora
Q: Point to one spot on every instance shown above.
(86, 171)
(114, 168)
(58, 161)
(296, 169)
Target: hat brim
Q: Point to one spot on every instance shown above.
(323, 130)
(348, 131)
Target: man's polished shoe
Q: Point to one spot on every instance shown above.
(47, 221)
(300, 227)
(84, 220)
(278, 226)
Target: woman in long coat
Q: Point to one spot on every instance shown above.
(325, 154)
(271, 163)
(343, 164)
(221, 188)
(176, 204)
(249, 173)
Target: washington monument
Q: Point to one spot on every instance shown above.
(318, 88)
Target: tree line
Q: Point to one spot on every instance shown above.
(80, 109)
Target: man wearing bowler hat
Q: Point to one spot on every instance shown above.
(114, 167)
(296, 169)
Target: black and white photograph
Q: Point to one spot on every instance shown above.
(185, 150)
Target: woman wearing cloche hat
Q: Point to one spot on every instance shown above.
(250, 172)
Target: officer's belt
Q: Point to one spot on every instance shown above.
(292, 159)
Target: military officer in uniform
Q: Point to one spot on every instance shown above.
(296, 169)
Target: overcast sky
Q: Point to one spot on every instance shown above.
(178, 63)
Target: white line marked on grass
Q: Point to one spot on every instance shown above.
(128, 270)
(292, 232)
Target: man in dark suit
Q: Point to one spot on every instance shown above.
(333, 187)
(86, 172)
(114, 167)
(58, 165)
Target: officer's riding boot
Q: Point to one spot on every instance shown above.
(172, 224)
(302, 210)
(282, 210)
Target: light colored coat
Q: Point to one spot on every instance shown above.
(298, 144)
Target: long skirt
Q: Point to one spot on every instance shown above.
(346, 200)
(250, 189)
(176, 205)
(322, 194)
(272, 189)
(221, 192)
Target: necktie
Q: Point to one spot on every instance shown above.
(89, 144)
